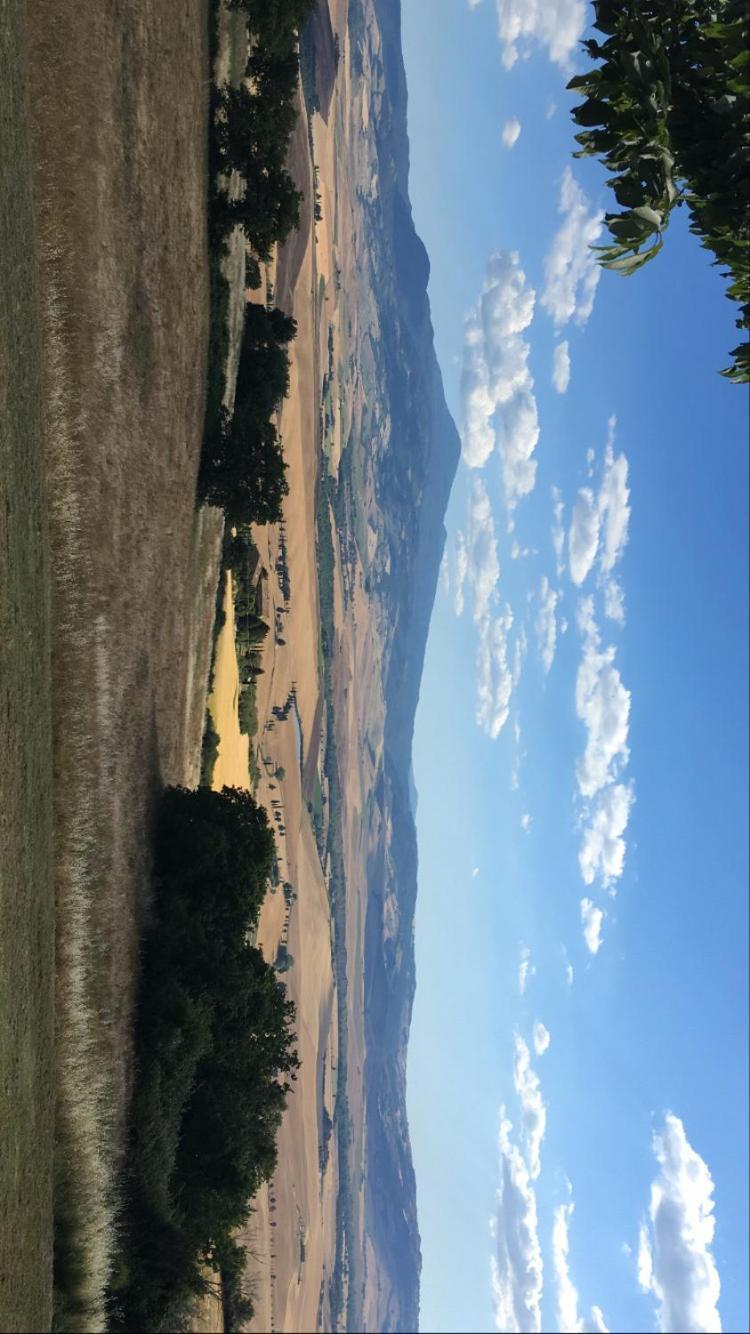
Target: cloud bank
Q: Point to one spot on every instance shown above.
(675, 1261)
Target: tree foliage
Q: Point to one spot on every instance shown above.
(242, 465)
(668, 113)
(214, 1059)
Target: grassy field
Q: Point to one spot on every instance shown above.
(26, 894)
(118, 107)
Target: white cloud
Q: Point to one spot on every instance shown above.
(475, 873)
(483, 566)
(462, 569)
(558, 531)
(561, 366)
(518, 437)
(526, 969)
(603, 705)
(569, 974)
(510, 132)
(526, 822)
(550, 110)
(583, 536)
(602, 850)
(494, 676)
(533, 1110)
(570, 268)
(600, 526)
(445, 579)
(566, 1295)
(499, 407)
(675, 1261)
(645, 1260)
(614, 509)
(591, 921)
(555, 24)
(595, 1323)
(546, 622)
(541, 1038)
(614, 602)
(516, 1265)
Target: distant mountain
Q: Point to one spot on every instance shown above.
(413, 479)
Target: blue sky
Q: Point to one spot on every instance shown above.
(623, 737)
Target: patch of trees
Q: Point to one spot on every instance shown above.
(242, 466)
(667, 111)
(253, 125)
(215, 1058)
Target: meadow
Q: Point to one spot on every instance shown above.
(26, 892)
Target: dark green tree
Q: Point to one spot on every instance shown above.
(667, 111)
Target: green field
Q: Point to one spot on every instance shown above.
(26, 892)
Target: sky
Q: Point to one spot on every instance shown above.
(578, 1061)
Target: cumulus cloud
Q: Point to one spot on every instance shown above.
(602, 851)
(591, 921)
(571, 272)
(556, 25)
(566, 1296)
(526, 822)
(561, 366)
(614, 602)
(614, 509)
(599, 526)
(603, 705)
(583, 535)
(526, 969)
(510, 132)
(533, 1110)
(675, 1261)
(541, 1038)
(516, 1265)
(499, 408)
(494, 675)
(546, 622)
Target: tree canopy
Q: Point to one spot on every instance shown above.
(242, 464)
(667, 111)
(214, 1058)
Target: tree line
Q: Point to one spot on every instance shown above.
(242, 466)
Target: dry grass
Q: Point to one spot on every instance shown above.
(119, 97)
(26, 893)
